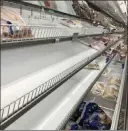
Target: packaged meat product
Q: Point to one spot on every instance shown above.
(105, 39)
(106, 72)
(68, 23)
(114, 80)
(98, 45)
(111, 92)
(94, 118)
(13, 26)
(92, 65)
(12, 16)
(98, 88)
(71, 23)
(123, 48)
(50, 4)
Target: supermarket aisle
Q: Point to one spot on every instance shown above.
(20, 62)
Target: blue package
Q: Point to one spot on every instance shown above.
(93, 117)
(107, 59)
(122, 66)
(10, 27)
(71, 125)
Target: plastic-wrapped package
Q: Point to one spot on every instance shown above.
(124, 48)
(93, 65)
(12, 16)
(13, 26)
(71, 23)
(71, 125)
(98, 88)
(89, 116)
(78, 23)
(106, 72)
(111, 92)
(68, 23)
(94, 118)
(105, 39)
(114, 80)
(50, 4)
(98, 45)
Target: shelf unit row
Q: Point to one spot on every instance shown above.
(35, 33)
(32, 91)
(35, 95)
(60, 105)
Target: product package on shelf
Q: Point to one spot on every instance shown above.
(71, 23)
(68, 23)
(122, 51)
(72, 125)
(104, 39)
(98, 45)
(106, 72)
(89, 116)
(92, 65)
(107, 87)
(78, 23)
(110, 92)
(13, 25)
(114, 80)
(50, 4)
(98, 89)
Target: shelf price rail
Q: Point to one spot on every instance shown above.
(15, 109)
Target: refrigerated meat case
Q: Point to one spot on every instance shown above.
(44, 75)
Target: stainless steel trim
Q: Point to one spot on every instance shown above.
(115, 117)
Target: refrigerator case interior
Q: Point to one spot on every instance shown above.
(105, 106)
(81, 119)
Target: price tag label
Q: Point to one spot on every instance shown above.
(75, 36)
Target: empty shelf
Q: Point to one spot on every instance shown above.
(30, 82)
(19, 62)
(53, 110)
